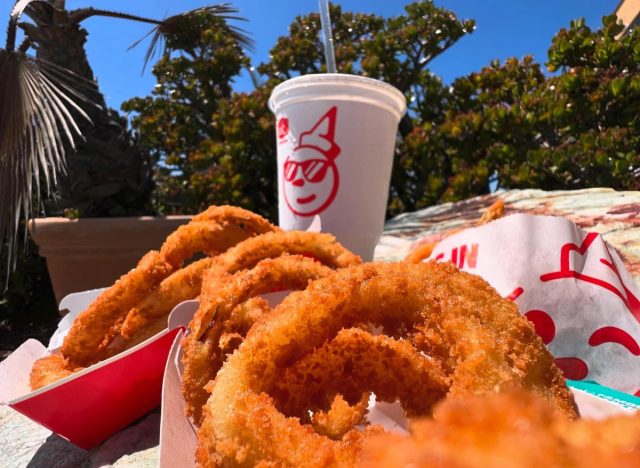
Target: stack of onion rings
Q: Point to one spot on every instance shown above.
(245, 271)
(97, 334)
(446, 334)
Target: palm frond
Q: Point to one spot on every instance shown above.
(16, 12)
(175, 25)
(39, 105)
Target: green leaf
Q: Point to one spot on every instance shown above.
(618, 86)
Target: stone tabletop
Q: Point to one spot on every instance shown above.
(615, 215)
(24, 443)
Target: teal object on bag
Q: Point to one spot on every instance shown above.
(622, 399)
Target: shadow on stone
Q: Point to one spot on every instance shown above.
(135, 440)
(57, 452)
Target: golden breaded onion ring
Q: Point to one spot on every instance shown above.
(182, 285)
(320, 246)
(515, 429)
(213, 231)
(420, 253)
(94, 328)
(209, 237)
(245, 255)
(100, 324)
(423, 251)
(202, 356)
(186, 283)
(48, 370)
(472, 339)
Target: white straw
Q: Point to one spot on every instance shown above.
(327, 36)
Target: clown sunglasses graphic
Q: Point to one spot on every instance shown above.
(313, 170)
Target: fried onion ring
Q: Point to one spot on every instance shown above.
(495, 211)
(202, 356)
(423, 251)
(240, 216)
(94, 328)
(420, 253)
(186, 283)
(120, 343)
(246, 254)
(206, 236)
(96, 332)
(48, 370)
(514, 429)
(491, 347)
(181, 286)
(213, 231)
(320, 246)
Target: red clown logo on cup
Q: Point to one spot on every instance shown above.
(311, 177)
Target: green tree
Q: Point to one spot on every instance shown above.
(510, 122)
(232, 157)
(197, 132)
(48, 97)
(575, 129)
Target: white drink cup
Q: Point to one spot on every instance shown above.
(336, 136)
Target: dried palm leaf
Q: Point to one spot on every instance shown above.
(175, 25)
(38, 108)
(39, 105)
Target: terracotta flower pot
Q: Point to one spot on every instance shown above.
(92, 253)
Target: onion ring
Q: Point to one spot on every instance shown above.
(186, 283)
(202, 356)
(514, 428)
(225, 213)
(490, 347)
(48, 370)
(420, 253)
(92, 335)
(93, 328)
(213, 231)
(182, 285)
(495, 211)
(209, 237)
(320, 246)
(246, 254)
(120, 343)
(423, 251)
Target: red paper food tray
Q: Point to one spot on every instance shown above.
(91, 405)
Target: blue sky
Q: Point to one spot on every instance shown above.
(505, 28)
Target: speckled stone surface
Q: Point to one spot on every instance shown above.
(616, 215)
(23, 443)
